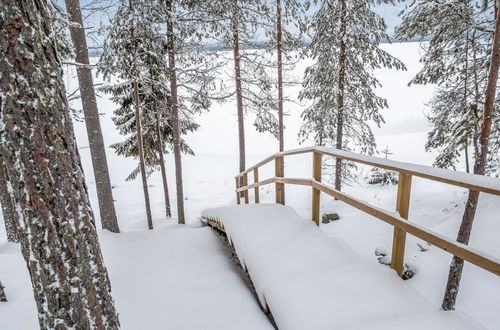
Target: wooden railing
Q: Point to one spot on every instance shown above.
(401, 225)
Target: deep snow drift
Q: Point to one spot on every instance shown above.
(171, 260)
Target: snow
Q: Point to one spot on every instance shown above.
(311, 281)
(146, 263)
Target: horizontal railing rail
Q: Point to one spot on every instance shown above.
(399, 222)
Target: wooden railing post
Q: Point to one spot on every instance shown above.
(316, 194)
(237, 179)
(255, 180)
(399, 237)
(278, 170)
(245, 183)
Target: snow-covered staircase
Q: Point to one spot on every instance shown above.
(311, 281)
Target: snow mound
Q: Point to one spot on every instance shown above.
(311, 281)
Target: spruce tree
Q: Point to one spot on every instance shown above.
(56, 225)
(345, 46)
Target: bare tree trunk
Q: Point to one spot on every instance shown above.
(175, 115)
(3, 297)
(140, 145)
(92, 122)
(464, 232)
(8, 210)
(340, 96)
(239, 92)
(159, 141)
(281, 125)
(56, 226)
(467, 165)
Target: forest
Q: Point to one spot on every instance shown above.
(123, 121)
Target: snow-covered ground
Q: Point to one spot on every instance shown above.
(180, 278)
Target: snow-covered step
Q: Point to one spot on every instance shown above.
(311, 281)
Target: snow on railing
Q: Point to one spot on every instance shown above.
(401, 225)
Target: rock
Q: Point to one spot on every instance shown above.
(329, 217)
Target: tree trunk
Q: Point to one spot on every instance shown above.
(340, 96)
(281, 125)
(138, 125)
(56, 229)
(467, 164)
(464, 232)
(159, 141)
(3, 297)
(92, 122)
(8, 210)
(239, 92)
(175, 114)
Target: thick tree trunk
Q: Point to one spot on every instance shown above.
(281, 125)
(3, 296)
(340, 96)
(92, 122)
(56, 226)
(175, 115)
(464, 232)
(159, 142)
(8, 210)
(239, 91)
(138, 125)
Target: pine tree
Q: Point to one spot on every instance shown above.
(56, 228)
(464, 54)
(456, 60)
(91, 114)
(126, 45)
(345, 45)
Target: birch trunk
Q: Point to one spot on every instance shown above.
(92, 122)
(56, 230)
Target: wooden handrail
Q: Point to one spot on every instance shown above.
(401, 225)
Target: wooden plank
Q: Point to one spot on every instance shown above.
(237, 192)
(399, 236)
(316, 193)
(278, 162)
(256, 189)
(245, 183)
(463, 251)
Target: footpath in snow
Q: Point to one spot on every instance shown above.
(311, 281)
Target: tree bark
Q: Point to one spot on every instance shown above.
(159, 141)
(281, 125)
(8, 209)
(239, 92)
(464, 232)
(467, 166)
(3, 296)
(340, 96)
(138, 125)
(56, 229)
(175, 114)
(92, 122)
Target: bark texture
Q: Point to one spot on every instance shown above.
(175, 116)
(340, 96)
(464, 232)
(239, 92)
(92, 122)
(56, 224)
(8, 209)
